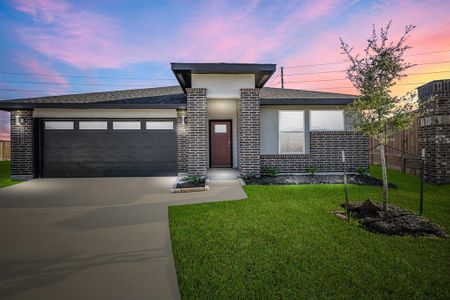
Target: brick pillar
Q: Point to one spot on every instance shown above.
(23, 150)
(249, 132)
(181, 141)
(197, 136)
(434, 129)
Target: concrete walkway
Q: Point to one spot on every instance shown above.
(101, 238)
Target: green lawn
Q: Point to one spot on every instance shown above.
(5, 171)
(283, 243)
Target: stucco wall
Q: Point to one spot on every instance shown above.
(223, 86)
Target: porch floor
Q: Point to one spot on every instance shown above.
(223, 174)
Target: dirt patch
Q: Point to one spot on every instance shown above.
(394, 221)
(315, 179)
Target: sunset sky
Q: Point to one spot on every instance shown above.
(51, 47)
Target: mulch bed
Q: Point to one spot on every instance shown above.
(394, 221)
(315, 179)
(184, 185)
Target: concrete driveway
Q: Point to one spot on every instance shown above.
(101, 238)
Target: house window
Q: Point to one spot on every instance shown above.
(59, 125)
(127, 125)
(93, 125)
(326, 120)
(220, 128)
(291, 131)
(159, 125)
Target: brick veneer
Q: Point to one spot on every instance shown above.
(197, 134)
(325, 153)
(434, 129)
(249, 132)
(181, 141)
(23, 149)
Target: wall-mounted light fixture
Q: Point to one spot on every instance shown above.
(183, 122)
(20, 120)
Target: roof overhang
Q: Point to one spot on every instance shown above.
(183, 71)
(25, 106)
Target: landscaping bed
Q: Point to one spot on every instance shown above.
(393, 221)
(190, 184)
(315, 179)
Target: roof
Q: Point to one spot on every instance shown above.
(183, 71)
(168, 97)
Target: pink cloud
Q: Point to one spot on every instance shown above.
(45, 9)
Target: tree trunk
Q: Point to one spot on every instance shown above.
(383, 171)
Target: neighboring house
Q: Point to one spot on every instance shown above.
(219, 116)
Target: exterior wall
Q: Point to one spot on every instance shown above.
(181, 141)
(225, 109)
(269, 124)
(103, 113)
(223, 86)
(434, 129)
(325, 153)
(23, 146)
(197, 134)
(249, 132)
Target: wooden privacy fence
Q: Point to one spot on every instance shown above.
(5, 150)
(406, 140)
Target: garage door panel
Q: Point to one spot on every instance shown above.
(109, 153)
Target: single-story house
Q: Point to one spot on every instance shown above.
(220, 116)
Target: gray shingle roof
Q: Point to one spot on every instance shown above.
(168, 97)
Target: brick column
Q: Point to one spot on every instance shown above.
(197, 134)
(434, 129)
(249, 132)
(23, 152)
(181, 141)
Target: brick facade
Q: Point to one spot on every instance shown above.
(325, 153)
(197, 134)
(181, 141)
(249, 132)
(434, 129)
(23, 146)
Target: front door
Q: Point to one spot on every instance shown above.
(220, 144)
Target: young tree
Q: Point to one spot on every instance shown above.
(376, 113)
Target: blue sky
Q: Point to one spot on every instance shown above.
(60, 47)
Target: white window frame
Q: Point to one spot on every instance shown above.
(304, 131)
(104, 123)
(60, 122)
(326, 110)
(116, 122)
(149, 123)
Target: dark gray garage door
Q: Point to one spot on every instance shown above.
(108, 148)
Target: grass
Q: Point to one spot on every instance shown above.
(283, 243)
(5, 172)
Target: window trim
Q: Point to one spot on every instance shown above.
(304, 131)
(322, 110)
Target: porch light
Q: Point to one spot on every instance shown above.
(183, 122)
(20, 120)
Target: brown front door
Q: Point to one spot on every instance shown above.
(220, 144)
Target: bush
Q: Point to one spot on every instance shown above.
(271, 171)
(362, 171)
(193, 179)
(312, 170)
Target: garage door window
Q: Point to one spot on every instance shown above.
(58, 125)
(93, 125)
(127, 125)
(159, 125)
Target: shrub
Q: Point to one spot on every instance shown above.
(193, 179)
(362, 171)
(312, 170)
(271, 171)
